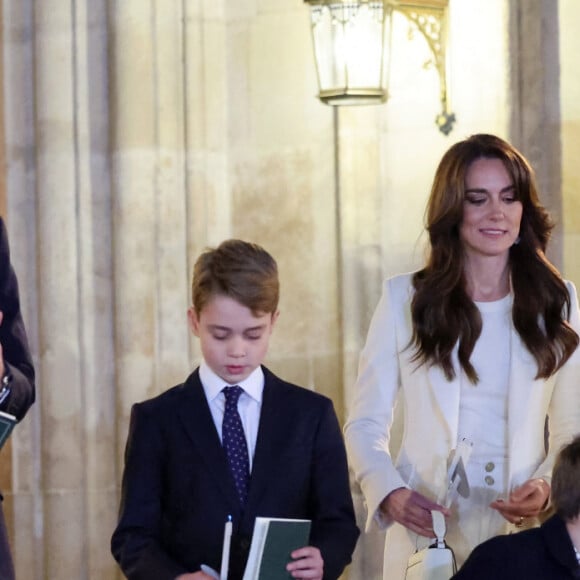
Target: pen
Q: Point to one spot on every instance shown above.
(4, 394)
(209, 571)
(226, 549)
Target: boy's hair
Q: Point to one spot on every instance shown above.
(240, 270)
(566, 481)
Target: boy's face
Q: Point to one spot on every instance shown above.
(233, 341)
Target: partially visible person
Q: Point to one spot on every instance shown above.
(550, 552)
(16, 370)
(480, 345)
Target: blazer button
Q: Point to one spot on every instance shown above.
(489, 480)
(490, 466)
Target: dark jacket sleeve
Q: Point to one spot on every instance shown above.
(334, 530)
(136, 542)
(15, 350)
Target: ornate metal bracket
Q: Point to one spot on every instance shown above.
(431, 20)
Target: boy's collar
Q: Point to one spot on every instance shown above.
(213, 384)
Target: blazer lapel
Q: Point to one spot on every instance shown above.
(267, 443)
(195, 415)
(523, 388)
(522, 385)
(446, 397)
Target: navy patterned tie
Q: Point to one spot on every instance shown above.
(234, 442)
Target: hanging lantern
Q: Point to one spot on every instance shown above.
(352, 48)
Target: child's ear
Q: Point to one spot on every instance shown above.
(193, 320)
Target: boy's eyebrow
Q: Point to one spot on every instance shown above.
(218, 327)
(259, 327)
(227, 328)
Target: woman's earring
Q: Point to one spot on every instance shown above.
(517, 241)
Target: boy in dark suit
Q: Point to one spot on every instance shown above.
(180, 483)
(16, 371)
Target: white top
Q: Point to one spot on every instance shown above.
(485, 404)
(483, 419)
(249, 403)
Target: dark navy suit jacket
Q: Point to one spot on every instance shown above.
(178, 491)
(544, 553)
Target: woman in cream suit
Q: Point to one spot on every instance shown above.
(479, 346)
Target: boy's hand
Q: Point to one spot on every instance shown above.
(308, 563)
(194, 576)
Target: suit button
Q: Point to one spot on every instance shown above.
(489, 466)
(489, 480)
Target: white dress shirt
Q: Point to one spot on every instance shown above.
(249, 403)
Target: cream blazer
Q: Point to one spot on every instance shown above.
(430, 407)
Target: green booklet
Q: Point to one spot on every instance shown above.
(7, 423)
(273, 540)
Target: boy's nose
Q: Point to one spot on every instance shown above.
(237, 348)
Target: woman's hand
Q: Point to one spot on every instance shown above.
(307, 563)
(525, 501)
(412, 510)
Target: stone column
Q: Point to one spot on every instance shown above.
(96, 292)
(535, 126)
(63, 467)
(207, 114)
(58, 189)
(151, 208)
(76, 363)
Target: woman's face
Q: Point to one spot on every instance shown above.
(491, 212)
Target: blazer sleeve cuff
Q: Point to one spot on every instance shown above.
(374, 500)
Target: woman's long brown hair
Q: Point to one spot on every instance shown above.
(442, 312)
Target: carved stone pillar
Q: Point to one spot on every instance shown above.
(151, 210)
(59, 202)
(535, 119)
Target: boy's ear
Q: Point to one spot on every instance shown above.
(193, 320)
(275, 317)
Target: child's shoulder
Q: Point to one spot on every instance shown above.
(168, 398)
(285, 388)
